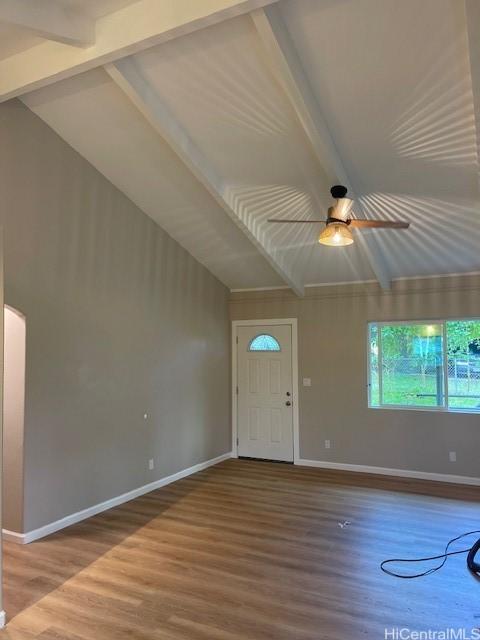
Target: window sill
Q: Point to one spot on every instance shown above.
(395, 407)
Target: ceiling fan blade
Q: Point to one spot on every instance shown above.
(355, 223)
(296, 221)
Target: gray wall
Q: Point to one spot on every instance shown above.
(121, 321)
(333, 352)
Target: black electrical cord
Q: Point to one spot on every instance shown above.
(472, 565)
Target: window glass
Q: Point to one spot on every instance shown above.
(407, 365)
(264, 342)
(463, 354)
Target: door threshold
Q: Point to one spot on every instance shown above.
(265, 460)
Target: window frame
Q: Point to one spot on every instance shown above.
(443, 323)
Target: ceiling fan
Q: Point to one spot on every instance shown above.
(338, 224)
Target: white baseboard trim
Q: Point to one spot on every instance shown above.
(12, 536)
(385, 471)
(52, 527)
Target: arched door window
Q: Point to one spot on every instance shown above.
(264, 342)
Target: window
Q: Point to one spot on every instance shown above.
(430, 365)
(264, 342)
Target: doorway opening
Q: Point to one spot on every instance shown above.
(13, 421)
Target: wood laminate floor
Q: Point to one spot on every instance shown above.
(249, 550)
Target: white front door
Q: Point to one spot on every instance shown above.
(265, 394)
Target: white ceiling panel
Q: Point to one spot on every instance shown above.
(14, 40)
(220, 88)
(97, 120)
(392, 83)
(96, 8)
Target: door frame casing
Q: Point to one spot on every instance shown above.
(293, 323)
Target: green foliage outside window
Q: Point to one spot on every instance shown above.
(412, 365)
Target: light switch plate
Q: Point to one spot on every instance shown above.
(307, 382)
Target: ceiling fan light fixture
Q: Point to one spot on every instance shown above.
(336, 234)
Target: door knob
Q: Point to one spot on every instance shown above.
(288, 403)
(288, 393)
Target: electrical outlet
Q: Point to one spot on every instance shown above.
(151, 464)
(327, 444)
(452, 456)
(307, 382)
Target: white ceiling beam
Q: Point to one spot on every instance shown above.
(138, 26)
(49, 19)
(289, 71)
(472, 16)
(128, 78)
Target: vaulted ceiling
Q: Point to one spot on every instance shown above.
(215, 115)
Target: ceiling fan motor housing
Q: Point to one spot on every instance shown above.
(338, 191)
